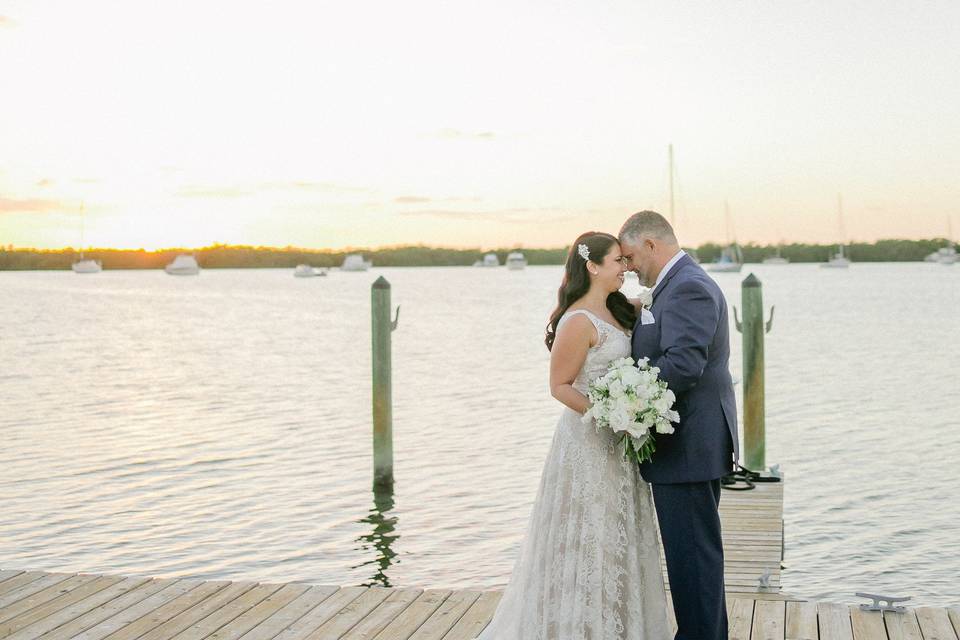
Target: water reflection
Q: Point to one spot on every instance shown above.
(380, 538)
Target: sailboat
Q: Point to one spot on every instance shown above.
(731, 258)
(776, 258)
(838, 260)
(85, 265)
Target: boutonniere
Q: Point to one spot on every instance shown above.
(645, 297)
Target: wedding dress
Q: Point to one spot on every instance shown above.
(589, 566)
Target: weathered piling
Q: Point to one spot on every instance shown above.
(382, 327)
(754, 401)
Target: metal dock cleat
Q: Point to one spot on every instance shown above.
(876, 606)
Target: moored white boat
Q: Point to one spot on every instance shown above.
(837, 260)
(87, 266)
(304, 271)
(490, 260)
(355, 262)
(516, 261)
(183, 265)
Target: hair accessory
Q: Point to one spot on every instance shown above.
(584, 251)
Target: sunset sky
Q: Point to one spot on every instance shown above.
(490, 123)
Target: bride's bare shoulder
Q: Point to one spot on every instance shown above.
(576, 328)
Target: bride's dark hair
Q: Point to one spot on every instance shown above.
(576, 283)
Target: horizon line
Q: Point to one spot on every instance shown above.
(217, 245)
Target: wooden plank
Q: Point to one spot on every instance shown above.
(769, 617)
(902, 626)
(740, 619)
(867, 625)
(446, 615)
(31, 585)
(227, 613)
(801, 621)
(6, 574)
(387, 611)
(107, 610)
(345, 619)
(77, 609)
(133, 613)
(954, 615)
(476, 618)
(834, 621)
(276, 623)
(405, 624)
(320, 614)
(24, 578)
(199, 611)
(935, 624)
(44, 595)
(259, 613)
(36, 614)
(166, 611)
(672, 615)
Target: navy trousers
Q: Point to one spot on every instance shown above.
(690, 528)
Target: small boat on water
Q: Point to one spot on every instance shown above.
(85, 265)
(489, 260)
(946, 255)
(731, 258)
(730, 261)
(306, 271)
(516, 261)
(776, 259)
(355, 262)
(837, 260)
(183, 265)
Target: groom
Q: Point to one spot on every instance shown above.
(685, 333)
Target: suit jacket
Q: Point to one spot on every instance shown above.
(690, 342)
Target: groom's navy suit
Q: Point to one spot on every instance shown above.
(689, 341)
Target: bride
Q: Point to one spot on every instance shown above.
(589, 566)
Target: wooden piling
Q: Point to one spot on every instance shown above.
(382, 385)
(754, 427)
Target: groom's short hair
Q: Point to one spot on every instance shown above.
(647, 224)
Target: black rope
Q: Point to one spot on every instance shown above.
(744, 479)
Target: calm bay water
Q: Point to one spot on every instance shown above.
(219, 426)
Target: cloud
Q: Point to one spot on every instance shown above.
(252, 189)
(457, 134)
(200, 191)
(29, 205)
(516, 215)
(44, 183)
(411, 199)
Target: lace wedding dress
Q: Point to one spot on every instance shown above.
(589, 566)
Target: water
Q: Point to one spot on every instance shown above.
(219, 426)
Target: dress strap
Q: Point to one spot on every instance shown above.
(593, 318)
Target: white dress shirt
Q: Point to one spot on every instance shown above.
(666, 268)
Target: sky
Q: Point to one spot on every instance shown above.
(487, 124)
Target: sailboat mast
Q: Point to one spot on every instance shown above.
(670, 148)
(82, 230)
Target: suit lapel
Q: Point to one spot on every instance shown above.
(682, 262)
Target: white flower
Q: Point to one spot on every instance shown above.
(646, 297)
(664, 427)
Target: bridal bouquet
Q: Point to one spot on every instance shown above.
(631, 400)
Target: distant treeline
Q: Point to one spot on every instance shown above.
(234, 257)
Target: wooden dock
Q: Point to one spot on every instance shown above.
(60, 606)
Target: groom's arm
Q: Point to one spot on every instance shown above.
(687, 327)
